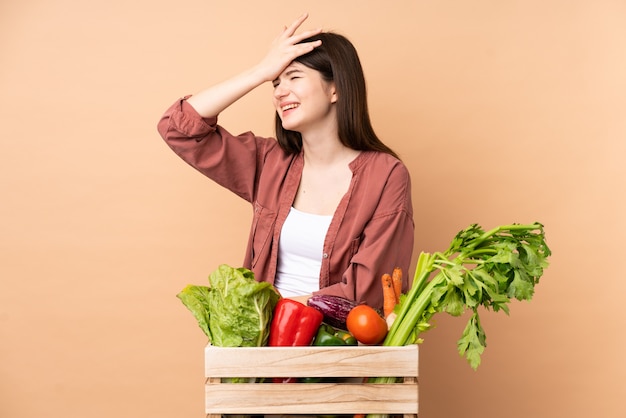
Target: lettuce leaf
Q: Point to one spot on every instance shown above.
(195, 299)
(235, 310)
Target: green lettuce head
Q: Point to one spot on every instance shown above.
(235, 310)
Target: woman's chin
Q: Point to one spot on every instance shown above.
(290, 126)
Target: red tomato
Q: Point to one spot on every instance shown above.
(366, 325)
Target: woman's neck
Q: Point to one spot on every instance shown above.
(325, 149)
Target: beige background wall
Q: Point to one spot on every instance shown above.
(504, 111)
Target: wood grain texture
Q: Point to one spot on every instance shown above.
(350, 396)
(358, 361)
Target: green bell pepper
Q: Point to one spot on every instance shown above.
(346, 337)
(327, 336)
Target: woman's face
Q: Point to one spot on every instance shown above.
(303, 99)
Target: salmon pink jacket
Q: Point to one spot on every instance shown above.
(372, 229)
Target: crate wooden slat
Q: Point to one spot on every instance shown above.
(348, 397)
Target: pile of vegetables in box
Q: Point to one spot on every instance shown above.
(480, 268)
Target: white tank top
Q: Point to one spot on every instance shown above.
(300, 253)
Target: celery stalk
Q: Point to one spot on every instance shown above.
(479, 268)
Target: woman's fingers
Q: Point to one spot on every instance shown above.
(304, 35)
(286, 47)
(305, 48)
(292, 40)
(291, 29)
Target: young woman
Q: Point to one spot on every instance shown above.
(332, 203)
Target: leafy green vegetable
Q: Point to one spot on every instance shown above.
(235, 310)
(195, 299)
(479, 268)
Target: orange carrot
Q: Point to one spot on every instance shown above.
(389, 295)
(396, 280)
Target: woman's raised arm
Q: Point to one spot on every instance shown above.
(284, 49)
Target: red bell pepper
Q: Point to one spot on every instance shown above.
(294, 323)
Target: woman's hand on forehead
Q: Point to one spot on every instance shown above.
(286, 47)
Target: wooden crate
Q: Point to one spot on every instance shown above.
(348, 397)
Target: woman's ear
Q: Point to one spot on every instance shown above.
(333, 93)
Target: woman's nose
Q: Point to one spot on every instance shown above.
(280, 91)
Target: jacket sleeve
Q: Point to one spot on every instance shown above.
(234, 162)
(386, 242)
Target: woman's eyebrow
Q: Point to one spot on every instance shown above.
(295, 70)
(287, 74)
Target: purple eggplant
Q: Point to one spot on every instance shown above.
(334, 308)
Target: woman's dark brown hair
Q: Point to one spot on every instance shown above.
(336, 60)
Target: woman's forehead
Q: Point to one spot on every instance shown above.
(295, 66)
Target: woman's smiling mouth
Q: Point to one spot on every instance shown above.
(289, 106)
